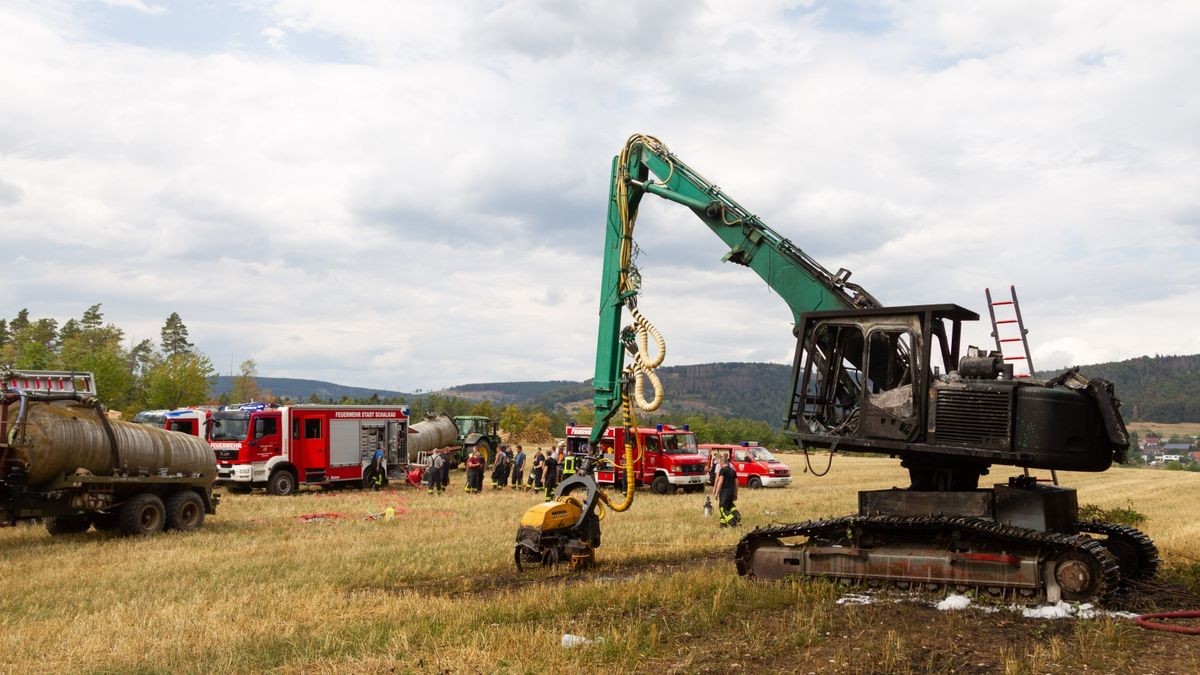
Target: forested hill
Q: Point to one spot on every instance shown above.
(1153, 388)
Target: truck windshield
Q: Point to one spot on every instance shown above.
(230, 429)
(761, 454)
(679, 444)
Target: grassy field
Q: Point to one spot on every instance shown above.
(434, 590)
(1166, 430)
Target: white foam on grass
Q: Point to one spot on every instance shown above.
(953, 602)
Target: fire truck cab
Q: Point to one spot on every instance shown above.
(755, 465)
(194, 421)
(665, 457)
(283, 448)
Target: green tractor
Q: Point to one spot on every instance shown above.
(476, 432)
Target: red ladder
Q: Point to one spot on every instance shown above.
(1018, 323)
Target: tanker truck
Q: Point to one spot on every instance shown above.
(64, 461)
(435, 431)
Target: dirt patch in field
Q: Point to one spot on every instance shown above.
(891, 637)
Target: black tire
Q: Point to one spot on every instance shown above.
(142, 515)
(660, 485)
(61, 525)
(754, 483)
(281, 483)
(185, 511)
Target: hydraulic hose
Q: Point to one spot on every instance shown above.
(644, 366)
(630, 435)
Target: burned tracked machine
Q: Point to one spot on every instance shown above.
(874, 379)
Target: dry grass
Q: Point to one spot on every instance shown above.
(1166, 430)
(435, 590)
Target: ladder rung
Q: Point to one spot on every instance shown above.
(1011, 340)
(1007, 321)
(1022, 375)
(1002, 302)
(1014, 358)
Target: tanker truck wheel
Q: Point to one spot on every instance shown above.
(67, 525)
(282, 482)
(185, 511)
(142, 515)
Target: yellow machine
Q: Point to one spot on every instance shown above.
(567, 528)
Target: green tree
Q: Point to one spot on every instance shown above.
(178, 380)
(175, 336)
(512, 421)
(245, 386)
(35, 345)
(584, 415)
(484, 408)
(20, 321)
(89, 345)
(537, 429)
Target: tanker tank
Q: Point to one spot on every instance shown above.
(63, 439)
(436, 431)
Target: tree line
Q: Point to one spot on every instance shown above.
(130, 377)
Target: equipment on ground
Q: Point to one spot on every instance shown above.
(895, 381)
(62, 459)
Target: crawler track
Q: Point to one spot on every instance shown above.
(1136, 553)
(935, 551)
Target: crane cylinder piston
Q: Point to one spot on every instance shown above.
(981, 367)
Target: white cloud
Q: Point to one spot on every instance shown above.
(430, 210)
(137, 5)
(275, 37)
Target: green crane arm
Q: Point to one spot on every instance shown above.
(801, 281)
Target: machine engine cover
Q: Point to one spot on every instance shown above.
(555, 515)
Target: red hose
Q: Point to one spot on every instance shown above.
(1144, 622)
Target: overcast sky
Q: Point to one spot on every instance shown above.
(411, 195)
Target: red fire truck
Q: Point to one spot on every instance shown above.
(665, 457)
(194, 421)
(755, 465)
(282, 448)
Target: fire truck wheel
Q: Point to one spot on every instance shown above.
(660, 485)
(282, 482)
(67, 525)
(185, 511)
(754, 483)
(142, 515)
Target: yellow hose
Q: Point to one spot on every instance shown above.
(630, 481)
(643, 365)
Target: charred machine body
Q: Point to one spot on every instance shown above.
(890, 380)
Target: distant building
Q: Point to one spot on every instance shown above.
(1177, 448)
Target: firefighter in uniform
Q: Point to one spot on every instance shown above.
(434, 472)
(550, 475)
(568, 466)
(474, 472)
(725, 490)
